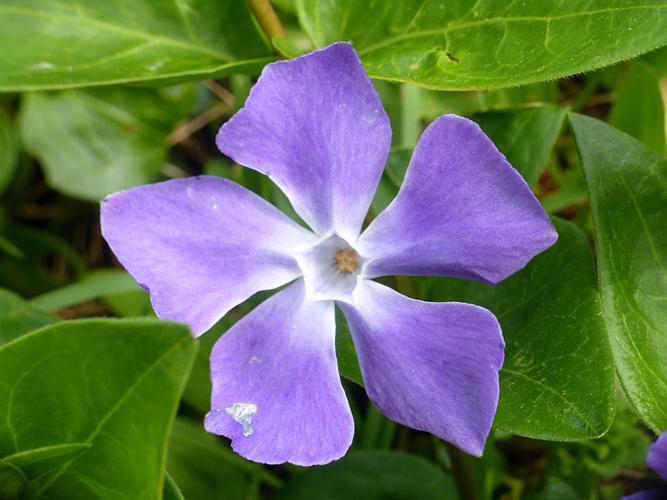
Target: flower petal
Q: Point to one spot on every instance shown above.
(647, 495)
(201, 245)
(280, 359)
(316, 126)
(430, 366)
(657, 456)
(462, 211)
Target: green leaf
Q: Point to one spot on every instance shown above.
(9, 150)
(55, 45)
(525, 136)
(371, 475)
(638, 110)
(557, 381)
(348, 363)
(627, 183)
(171, 490)
(96, 284)
(462, 45)
(18, 316)
(111, 385)
(204, 467)
(13, 483)
(92, 143)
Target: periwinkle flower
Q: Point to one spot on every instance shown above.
(202, 245)
(657, 460)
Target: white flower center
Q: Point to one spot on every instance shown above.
(331, 269)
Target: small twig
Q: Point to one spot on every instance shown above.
(198, 122)
(225, 95)
(267, 19)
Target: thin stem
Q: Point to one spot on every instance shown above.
(464, 475)
(267, 18)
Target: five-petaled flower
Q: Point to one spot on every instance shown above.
(657, 460)
(202, 245)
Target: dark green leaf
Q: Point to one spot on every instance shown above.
(371, 475)
(460, 44)
(85, 42)
(348, 364)
(9, 150)
(557, 379)
(94, 285)
(205, 467)
(638, 110)
(111, 385)
(18, 316)
(13, 483)
(171, 490)
(627, 183)
(92, 143)
(525, 136)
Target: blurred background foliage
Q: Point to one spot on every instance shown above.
(565, 431)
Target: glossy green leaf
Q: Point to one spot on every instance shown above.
(557, 379)
(49, 45)
(525, 136)
(18, 316)
(104, 391)
(638, 110)
(371, 475)
(459, 44)
(9, 150)
(627, 183)
(96, 284)
(95, 142)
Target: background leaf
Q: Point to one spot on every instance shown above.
(557, 379)
(638, 109)
(627, 183)
(372, 475)
(110, 384)
(525, 136)
(18, 316)
(462, 45)
(92, 143)
(9, 150)
(204, 468)
(94, 285)
(85, 42)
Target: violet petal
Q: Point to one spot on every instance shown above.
(430, 366)
(276, 389)
(201, 245)
(315, 125)
(462, 211)
(657, 456)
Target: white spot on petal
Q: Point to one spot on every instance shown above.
(242, 413)
(254, 360)
(189, 191)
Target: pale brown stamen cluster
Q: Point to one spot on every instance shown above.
(347, 260)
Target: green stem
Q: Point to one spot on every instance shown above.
(464, 475)
(267, 18)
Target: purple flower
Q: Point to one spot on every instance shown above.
(657, 460)
(316, 127)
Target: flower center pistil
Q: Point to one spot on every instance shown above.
(331, 269)
(347, 260)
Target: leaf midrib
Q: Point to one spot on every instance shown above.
(493, 20)
(114, 28)
(110, 413)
